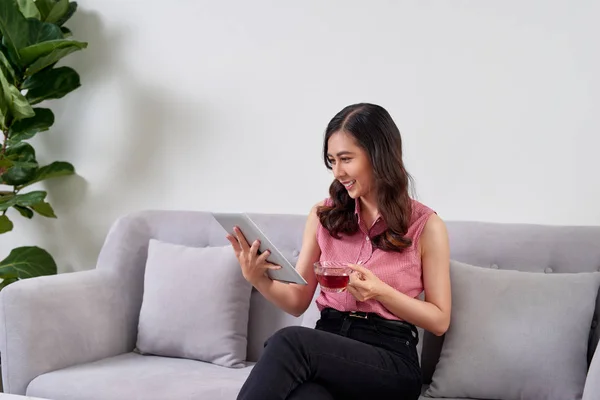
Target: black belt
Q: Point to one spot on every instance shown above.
(369, 316)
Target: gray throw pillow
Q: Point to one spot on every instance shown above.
(516, 335)
(195, 305)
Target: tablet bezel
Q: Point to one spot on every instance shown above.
(252, 232)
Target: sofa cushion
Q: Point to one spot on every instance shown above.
(133, 376)
(516, 335)
(195, 304)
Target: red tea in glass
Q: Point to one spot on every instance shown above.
(333, 276)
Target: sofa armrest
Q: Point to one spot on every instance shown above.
(53, 322)
(591, 390)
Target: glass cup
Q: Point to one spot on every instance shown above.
(333, 276)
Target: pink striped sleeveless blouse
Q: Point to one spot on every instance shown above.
(402, 271)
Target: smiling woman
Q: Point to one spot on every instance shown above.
(364, 344)
(365, 155)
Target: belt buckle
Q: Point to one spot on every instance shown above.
(359, 314)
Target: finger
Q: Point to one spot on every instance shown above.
(358, 268)
(254, 249)
(241, 239)
(357, 284)
(263, 259)
(235, 244)
(357, 277)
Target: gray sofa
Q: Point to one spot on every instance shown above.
(72, 336)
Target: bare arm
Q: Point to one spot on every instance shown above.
(433, 314)
(291, 298)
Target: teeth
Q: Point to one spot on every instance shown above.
(349, 183)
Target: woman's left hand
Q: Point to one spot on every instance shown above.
(364, 284)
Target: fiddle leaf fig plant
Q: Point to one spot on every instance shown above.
(33, 39)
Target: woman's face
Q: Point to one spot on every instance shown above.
(350, 165)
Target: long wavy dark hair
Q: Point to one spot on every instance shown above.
(374, 130)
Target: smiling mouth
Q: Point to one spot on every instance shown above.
(349, 184)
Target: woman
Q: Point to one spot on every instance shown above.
(364, 345)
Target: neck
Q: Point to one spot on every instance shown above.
(368, 205)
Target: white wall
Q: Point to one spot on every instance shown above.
(208, 105)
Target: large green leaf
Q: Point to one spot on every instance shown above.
(24, 211)
(54, 170)
(44, 6)
(27, 262)
(39, 32)
(31, 198)
(7, 201)
(14, 101)
(14, 160)
(18, 104)
(13, 58)
(5, 163)
(25, 200)
(2, 119)
(53, 57)
(31, 53)
(68, 14)
(13, 26)
(51, 84)
(29, 9)
(24, 164)
(44, 209)
(58, 11)
(6, 224)
(28, 128)
(6, 67)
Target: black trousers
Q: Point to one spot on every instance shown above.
(346, 356)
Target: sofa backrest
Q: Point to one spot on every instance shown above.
(536, 248)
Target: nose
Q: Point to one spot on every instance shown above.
(337, 171)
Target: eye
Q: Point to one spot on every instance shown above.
(345, 159)
(332, 162)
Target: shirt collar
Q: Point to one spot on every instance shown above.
(379, 219)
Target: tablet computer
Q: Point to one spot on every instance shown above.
(287, 273)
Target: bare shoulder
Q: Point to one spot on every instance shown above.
(434, 235)
(435, 225)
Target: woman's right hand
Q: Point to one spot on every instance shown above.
(254, 266)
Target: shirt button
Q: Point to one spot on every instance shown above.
(368, 239)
